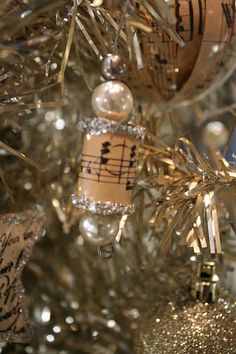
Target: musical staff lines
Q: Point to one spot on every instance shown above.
(208, 28)
(216, 45)
(114, 165)
(165, 62)
(185, 32)
(229, 13)
(202, 10)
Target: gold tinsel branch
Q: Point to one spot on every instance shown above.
(49, 37)
(191, 190)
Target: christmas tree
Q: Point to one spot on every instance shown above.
(117, 149)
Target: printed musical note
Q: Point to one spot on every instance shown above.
(103, 160)
(108, 168)
(129, 184)
(161, 60)
(104, 151)
(202, 9)
(216, 46)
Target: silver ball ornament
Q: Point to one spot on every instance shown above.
(113, 67)
(97, 229)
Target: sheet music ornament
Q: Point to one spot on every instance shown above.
(108, 159)
(18, 233)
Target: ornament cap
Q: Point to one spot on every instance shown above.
(204, 284)
(113, 67)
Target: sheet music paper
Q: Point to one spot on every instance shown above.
(218, 32)
(107, 168)
(208, 29)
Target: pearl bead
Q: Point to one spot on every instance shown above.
(99, 229)
(215, 134)
(113, 67)
(112, 100)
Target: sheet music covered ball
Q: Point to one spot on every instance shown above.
(173, 71)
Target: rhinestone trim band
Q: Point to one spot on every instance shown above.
(97, 126)
(99, 207)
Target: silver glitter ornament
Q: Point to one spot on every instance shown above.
(113, 67)
(97, 229)
(188, 327)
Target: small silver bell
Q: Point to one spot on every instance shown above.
(113, 67)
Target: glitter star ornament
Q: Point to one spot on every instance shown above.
(18, 233)
(191, 326)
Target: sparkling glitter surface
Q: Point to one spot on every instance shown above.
(188, 327)
(100, 207)
(97, 126)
